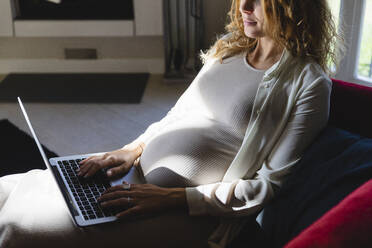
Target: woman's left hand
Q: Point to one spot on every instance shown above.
(137, 200)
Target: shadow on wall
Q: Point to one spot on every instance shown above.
(215, 13)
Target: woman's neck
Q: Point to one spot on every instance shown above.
(266, 54)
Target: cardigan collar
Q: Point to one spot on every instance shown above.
(277, 67)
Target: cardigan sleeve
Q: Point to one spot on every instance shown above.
(245, 197)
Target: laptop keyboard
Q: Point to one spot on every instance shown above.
(86, 191)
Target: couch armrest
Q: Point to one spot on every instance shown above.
(351, 107)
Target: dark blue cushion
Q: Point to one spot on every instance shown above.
(334, 165)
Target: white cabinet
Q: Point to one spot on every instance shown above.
(70, 28)
(147, 21)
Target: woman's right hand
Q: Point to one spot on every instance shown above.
(119, 161)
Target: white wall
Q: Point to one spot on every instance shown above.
(215, 13)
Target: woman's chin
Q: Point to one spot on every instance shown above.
(254, 34)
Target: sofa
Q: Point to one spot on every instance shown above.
(327, 199)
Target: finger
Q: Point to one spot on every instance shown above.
(114, 196)
(87, 162)
(96, 165)
(92, 164)
(121, 202)
(87, 159)
(84, 169)
(116, 188)
(132, 185)
(130, 213)
(118, 171)
(93, 158)
(92, 171)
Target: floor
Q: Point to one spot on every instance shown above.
(85, 128)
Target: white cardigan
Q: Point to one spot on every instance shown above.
(290, 109)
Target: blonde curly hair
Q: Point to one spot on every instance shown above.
(304, 27)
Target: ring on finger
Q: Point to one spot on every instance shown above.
(126, 186)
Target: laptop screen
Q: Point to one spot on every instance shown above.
(34, 134)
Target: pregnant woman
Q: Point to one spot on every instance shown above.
(220, 153)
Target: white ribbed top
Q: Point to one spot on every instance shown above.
(198, 139)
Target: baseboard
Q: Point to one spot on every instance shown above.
(150, 65)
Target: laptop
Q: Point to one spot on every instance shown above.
(80, 194)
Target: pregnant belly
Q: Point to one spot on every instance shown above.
(188, 156)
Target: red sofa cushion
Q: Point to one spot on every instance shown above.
(351, 107)
(348, 224)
